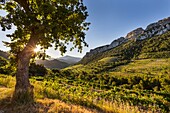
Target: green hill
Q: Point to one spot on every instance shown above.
(53, 63)
(4, 54)
(136, 72)
(154, 47)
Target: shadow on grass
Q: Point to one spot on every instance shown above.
(46, 106)
(7, 107)
(52, 104)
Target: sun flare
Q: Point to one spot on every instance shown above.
(37, 49)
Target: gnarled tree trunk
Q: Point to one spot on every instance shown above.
(23, 89)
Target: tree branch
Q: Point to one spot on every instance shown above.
(24, 4)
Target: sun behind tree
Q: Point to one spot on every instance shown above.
(37, 49)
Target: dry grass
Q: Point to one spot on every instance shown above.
(5, 93)
(46, 106)
(118, 107)
(59, 106)
(56, 106)
(7, 81)
(40, 106)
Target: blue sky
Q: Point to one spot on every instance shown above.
(111, 19)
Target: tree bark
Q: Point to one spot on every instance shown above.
(23, 89)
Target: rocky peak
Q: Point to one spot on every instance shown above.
(164, 21)
(104, 48)
(156, 28)
(151, 30)
(159, 24)
(135, 33)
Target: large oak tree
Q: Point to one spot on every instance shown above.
(41, 22)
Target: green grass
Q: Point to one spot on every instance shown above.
(136, 86)
(151, 67)
(108, 59)
(143, 83)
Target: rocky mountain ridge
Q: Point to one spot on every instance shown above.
(135, 33)
(69, 59)
(154, 29)
(58, 63)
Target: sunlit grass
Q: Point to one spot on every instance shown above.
(63, 95)
(74, 67)
(141, 67)
(7, 81)
(108, 59)
(42, 105)
(45, 104)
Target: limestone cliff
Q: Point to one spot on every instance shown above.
(151, 30)
(135, 33)
(157, 28)
(106, 47)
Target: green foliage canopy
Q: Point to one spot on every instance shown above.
(51, 21)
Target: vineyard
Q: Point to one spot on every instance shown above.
(142, 85)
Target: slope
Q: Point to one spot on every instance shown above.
(69, 59)
(45, 105)
(53, 63)
(136, 72)
(154, 47)
(4, 54)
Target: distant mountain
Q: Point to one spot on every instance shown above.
(69, 59)
(53, 63)
(4, 54)
(59, 63)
